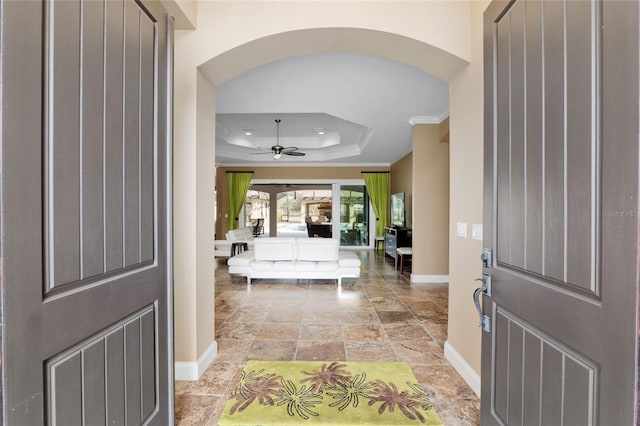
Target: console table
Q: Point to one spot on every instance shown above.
(394, 238)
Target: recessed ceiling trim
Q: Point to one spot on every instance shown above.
(346, 102)
(366, 137)
(428, 119)
(281, 163)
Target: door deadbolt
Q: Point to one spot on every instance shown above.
(487, 257)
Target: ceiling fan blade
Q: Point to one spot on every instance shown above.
(277, 150)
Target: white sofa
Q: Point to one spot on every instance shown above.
(298, 258)
(222, 248)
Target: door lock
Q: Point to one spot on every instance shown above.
(487, 257)
(486, 284)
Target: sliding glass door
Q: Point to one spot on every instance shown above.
(354, 216)
(256, 211)
(318, 210)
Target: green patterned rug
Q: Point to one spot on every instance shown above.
(328, 393)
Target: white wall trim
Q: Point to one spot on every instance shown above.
(186, 371)
(429, 278)
(462, 367)
(428, 119)
(193, 370)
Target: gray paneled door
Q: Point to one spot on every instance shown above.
(561, 212)
(85, 159)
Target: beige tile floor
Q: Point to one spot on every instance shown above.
(380, 316)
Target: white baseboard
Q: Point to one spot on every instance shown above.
(193, 370)
(429, 278)
(462, 367)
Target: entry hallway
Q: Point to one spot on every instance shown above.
(378, 317)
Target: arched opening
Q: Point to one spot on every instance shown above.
(380, 44)
(236, 60)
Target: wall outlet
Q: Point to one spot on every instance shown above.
(461, 229)
(476, 231)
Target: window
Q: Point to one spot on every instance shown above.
(257, 207)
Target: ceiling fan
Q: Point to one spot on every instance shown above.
(277, 149)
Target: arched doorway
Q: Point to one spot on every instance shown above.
(206, 58)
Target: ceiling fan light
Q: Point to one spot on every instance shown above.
(277, 156)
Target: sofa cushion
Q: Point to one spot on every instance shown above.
(304, 266)
(259, 265)
(283, 266)
(348, 258)
(274, 248)
(326, 266)
(242, 259)
(317, 249)
(242, 234)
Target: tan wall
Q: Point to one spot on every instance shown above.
(429, 35)
(185, 12)
(401, 180)
(193, 227)
(279, 173)
(204, 204)
(466, 109)
(444, 130)
(430, 202)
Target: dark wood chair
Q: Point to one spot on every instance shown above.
(317, 230)
(258, 227)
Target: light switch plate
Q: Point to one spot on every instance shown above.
(476, 231)
(461, 229)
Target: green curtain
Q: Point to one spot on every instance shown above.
(378, 188)
(238, 185)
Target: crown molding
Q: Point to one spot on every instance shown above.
(401, 156)
(280, 163)
(428, 119)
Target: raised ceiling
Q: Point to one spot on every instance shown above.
(337, 108)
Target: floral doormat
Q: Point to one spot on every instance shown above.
(328, 393)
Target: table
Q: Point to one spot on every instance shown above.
(238, 247)
(402, 253)
(379, 242)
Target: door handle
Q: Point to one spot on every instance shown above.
(476, 301)
(485, 321)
